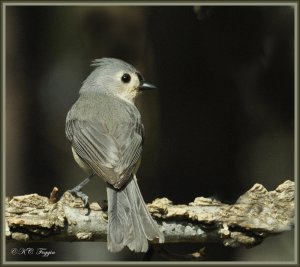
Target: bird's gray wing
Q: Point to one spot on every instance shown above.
(111, 153)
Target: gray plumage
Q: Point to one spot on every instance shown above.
(106, 134)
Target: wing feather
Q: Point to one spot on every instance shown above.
(111, 153)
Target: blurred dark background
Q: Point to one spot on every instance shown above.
(221, 120)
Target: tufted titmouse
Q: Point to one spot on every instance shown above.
(106, 134)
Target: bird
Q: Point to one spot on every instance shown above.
(106, 134)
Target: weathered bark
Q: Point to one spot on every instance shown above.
(256, 215)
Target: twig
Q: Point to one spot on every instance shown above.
(172, 256)
(53, 195)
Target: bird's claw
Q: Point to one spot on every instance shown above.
(81, 195)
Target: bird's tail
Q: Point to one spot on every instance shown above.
(129, 221)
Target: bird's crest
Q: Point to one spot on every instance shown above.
(111, 63)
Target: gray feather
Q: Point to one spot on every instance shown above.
(129, 221)
(112, 64)
(102, 79)
(111, 148)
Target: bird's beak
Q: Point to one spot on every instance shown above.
(146, 86)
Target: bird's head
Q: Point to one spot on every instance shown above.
(115, 77)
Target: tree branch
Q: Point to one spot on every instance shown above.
(256, 215)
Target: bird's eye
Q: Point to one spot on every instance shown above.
(126, 78)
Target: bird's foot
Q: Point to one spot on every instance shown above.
(76, 192)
